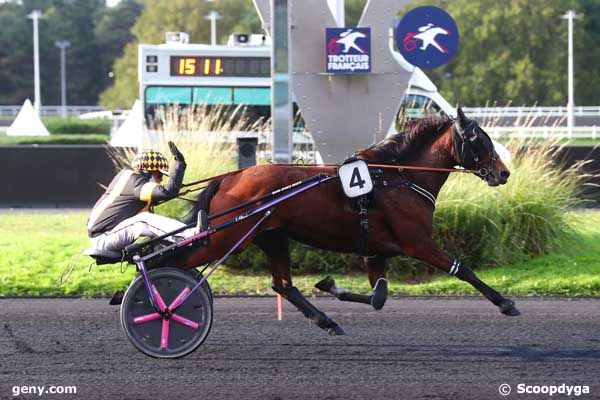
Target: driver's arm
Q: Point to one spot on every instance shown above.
(155, 193)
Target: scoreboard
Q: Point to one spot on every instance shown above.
(203, 65)
(220, 66)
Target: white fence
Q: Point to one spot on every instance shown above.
(490, 115)
(582, 111)
(51, 111)
(543, 132)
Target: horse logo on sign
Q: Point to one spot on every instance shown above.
(348, 50)
(427, 37)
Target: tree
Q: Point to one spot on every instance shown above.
(113, 32)
(92, 49)
(16, 62)
(587, 55)
(160, 16)
(354, 10)
(73, 21)
(510, 51)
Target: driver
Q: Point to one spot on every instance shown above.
(124, 212)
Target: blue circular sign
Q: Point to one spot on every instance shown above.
(427, 37)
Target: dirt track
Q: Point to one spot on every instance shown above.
(412, 349)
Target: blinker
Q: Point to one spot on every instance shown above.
(473, 147)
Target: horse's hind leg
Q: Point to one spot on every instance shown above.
(428, 251)
(275, 244)
(293, 295)
(375, 266)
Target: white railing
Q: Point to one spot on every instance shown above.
(561, 111)
(543, 132)
(51, 111)
(581, 111)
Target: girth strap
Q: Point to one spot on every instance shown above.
(363, 237)
(362, 203)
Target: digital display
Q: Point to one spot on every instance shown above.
(220, 66)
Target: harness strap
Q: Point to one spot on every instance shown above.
(363, 203)
(363, 238)
(407, 167)
(423, 192)
(426, 194)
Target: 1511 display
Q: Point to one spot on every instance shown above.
(220, 66)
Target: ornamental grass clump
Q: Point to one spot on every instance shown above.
(475, 223)
(478, 224)
(206, 135)
(528, 216)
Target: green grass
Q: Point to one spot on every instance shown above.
(74, 125)
(37, 248)
(580, 142)
(71, 138)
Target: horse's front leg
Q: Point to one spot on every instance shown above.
(275, 244)
(427, 250)
(375, 266)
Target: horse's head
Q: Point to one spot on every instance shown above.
(473, 149)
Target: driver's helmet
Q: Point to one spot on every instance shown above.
(149, 161)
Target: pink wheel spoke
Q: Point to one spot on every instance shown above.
(180, 297)
(185, 321)
(164, 337)
(159, 301)
(146, 318)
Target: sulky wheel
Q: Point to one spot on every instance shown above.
(207, 289)
(164, 334)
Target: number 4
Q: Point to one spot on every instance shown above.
(356, 179)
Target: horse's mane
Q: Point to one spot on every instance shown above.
(401, 146)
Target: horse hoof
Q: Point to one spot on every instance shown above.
(117, 298)
(326, 284)
(336, 331)
(508, 308)
(379, 294)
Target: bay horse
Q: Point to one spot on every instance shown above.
(400, 219)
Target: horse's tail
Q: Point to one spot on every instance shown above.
(203, 201)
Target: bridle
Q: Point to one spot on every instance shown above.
(471, 145)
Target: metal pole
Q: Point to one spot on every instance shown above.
(63, 81)
(213, 31)
(569, 16)
(62, 45)
(37, 101)
(570, 100)
(281, 95)
(213, 16)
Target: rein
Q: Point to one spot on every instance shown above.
(398, 167)
(414, 168)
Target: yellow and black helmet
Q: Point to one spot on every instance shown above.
(150, 160)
